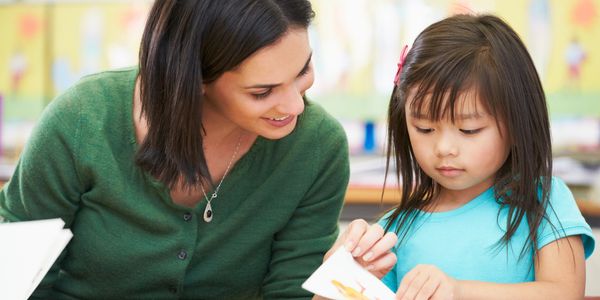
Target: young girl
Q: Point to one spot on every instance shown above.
(481, 216)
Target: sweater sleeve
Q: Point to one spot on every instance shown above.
(298, 249)
(45, 183)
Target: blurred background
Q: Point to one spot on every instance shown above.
(46, 46)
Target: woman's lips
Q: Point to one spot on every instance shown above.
(280, 122)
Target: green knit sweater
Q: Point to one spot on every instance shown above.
(275, 217)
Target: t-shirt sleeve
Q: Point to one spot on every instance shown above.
(298, 249)
(566, 219)
(45, 183)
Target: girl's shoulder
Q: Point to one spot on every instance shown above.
(560, 196)
(564, 218)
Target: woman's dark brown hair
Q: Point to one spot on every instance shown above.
(185, 44)
(484, 54)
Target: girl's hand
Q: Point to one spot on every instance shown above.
(427, 282)
(369, 245)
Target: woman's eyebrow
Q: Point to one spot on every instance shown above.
(272, 85)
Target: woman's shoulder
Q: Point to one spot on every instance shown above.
(98, 95)
(106, 84)
(316, 119)
(101, 101)
(96, 89)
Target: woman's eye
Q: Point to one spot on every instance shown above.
(263, 95)
(304, 71)
(423, 130)
(470, 131)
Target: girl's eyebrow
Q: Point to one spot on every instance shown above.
(272, 85)
(457, 116)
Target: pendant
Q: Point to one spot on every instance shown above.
(208, 213)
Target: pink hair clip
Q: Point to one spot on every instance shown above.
(400, 65)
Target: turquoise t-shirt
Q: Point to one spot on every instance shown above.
(463, 242)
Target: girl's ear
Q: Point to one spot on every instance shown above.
(203, 89)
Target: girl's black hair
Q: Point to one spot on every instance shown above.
(186, 44)
(481, 53)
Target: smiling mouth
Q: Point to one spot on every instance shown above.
(279, 119)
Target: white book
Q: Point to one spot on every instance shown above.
(27, 251)
(341, 277)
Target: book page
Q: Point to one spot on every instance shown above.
(28, 251)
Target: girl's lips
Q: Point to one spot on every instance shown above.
(280, 122)
(449, 171)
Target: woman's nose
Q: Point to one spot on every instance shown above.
(292, 103)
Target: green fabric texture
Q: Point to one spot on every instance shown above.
(275, 217)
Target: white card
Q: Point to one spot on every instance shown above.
(342, 278)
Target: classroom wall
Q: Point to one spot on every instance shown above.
(45, 46)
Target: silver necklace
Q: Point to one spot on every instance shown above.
(208, 211)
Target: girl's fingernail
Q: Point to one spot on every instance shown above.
(368, 256)
(348, 245)
(356, 251)
(370, 267)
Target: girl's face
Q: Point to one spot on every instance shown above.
(462, 157)
(263, 95)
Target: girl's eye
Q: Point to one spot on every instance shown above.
(470, 131)
(423, 130)
(263, 95)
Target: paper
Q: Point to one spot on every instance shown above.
(342, 278)
(27, 251)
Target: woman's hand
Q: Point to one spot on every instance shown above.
(369, 245)
(427, 282)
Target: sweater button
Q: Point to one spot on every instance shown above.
(172, 289)
(182, 254)
(187, 216)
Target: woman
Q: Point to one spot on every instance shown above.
(205, 173)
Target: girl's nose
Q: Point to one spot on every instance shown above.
(446, 145)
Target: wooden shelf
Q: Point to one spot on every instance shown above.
(372, 195)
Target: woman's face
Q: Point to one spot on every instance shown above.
(263, 95)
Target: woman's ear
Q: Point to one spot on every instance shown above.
(203, 89)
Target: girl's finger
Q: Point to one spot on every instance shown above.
(373, 235)
(382, 265)
(353, 233)
(407, 282)
(381, 247)
(428, 289)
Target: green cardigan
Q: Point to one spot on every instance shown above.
(275, 217)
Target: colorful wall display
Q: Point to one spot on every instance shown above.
(46, 46)
(357, 46)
